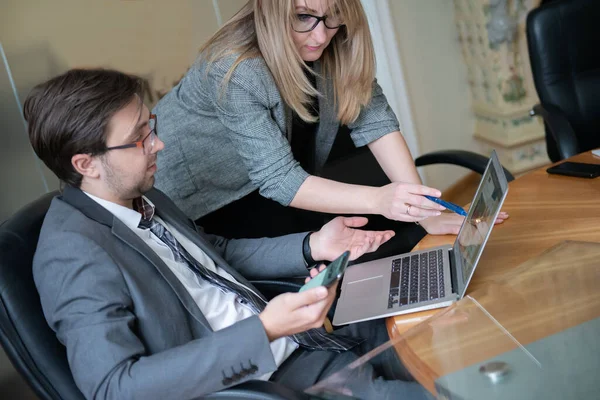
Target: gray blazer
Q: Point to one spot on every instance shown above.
(220, 145)
(130, 328)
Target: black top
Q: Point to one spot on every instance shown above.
(304, 133)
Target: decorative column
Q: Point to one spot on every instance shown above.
(494, 46)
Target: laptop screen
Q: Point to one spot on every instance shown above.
(480, 220)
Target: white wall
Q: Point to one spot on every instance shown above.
(229, 7)
(151, 38)
(436, 78)
(155, 39)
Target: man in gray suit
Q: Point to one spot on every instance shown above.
(147, 304)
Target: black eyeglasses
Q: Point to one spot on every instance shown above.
(146, 143)
(307, 22)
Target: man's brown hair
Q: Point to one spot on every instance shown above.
(69, 115)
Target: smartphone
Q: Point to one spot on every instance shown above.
(330, 274)
(582, 170)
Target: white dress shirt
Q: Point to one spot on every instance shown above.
(220, 308)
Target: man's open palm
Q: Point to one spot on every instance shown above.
(339, 235)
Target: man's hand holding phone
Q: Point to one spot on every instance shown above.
(291, 313)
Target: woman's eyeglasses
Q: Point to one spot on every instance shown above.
(307, 22)
(146, 143)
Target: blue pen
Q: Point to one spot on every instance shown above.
(450, 206)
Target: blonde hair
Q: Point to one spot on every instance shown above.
(349, 60)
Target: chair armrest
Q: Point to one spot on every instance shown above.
(468, 159)
(560, 128)
(260, 390)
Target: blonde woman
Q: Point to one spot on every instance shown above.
(249, 128)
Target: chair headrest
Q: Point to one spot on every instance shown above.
(562, 39)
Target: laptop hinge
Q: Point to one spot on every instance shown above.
(453, 277)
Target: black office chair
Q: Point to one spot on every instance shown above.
(33, 347)
(563, 37)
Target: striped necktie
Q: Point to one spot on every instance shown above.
(313, 339)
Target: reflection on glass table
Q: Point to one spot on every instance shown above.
(540, 341)
(343, 383)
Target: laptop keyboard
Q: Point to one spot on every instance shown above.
(417, 278)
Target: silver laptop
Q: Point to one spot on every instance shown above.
(427, 279)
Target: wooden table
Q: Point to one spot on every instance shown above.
(544, 210)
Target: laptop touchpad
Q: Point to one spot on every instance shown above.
(369, 287)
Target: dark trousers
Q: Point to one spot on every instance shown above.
(381, 377)
(254, 216)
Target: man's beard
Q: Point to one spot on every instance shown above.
(117, 187)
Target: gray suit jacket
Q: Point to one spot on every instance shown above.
(220, 145)
(130, 328)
